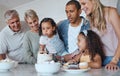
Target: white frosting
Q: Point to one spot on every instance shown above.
(43, 58)
(83, 64)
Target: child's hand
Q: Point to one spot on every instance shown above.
(46, 52)
(41, 52)
(70, 62)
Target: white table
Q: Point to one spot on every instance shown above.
(29, 70)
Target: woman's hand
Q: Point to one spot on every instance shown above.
(112, 66)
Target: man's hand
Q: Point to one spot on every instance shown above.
(2, 56)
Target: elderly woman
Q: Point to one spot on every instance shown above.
(105, 21)
(31, 38)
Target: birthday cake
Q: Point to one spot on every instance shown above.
(44, 58)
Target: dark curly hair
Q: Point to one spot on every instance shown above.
(52, 22)
(94, 44)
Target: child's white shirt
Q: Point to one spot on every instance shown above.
(44, 40)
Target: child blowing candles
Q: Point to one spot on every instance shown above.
(49, 39)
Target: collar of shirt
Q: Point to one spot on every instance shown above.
(12, 32)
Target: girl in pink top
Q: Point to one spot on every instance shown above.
(105, 21)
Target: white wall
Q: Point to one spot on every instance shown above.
(48, 8)
(52, 8)
(45, 8)
(2, 11)
(109, 2)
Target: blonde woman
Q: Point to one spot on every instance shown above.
(31, 38)
(105, 21)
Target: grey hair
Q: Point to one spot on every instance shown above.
(10, 14)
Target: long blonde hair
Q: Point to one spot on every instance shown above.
(97, 18)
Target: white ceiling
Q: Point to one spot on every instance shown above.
(13, 3)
